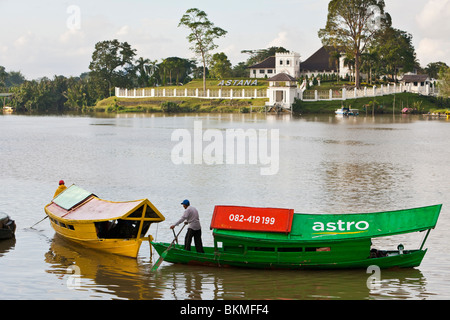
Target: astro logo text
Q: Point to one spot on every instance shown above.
(341, 226)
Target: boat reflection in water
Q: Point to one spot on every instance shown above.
(7, 246)
(108, 275)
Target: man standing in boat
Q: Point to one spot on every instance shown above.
(194, 230)
(60, 189)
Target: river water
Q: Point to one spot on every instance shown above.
(326, 164)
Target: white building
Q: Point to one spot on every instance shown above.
(419, 83)
(285, 62)
(282, 91)
(290, 63)
(322, 62)
(263, 69)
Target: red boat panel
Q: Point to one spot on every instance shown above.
(252, 219)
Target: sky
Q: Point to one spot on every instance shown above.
(57, 37)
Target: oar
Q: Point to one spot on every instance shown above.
(175, 236)
(164, 254)
(38, 222)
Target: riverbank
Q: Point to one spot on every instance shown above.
(393, 103)
(371, 105)
(186, 105)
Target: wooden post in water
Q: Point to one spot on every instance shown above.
(393, 106)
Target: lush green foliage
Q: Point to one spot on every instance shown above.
(57, 95)
(202, 36)
(352, 26)
(444, 85)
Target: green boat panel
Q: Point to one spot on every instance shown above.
(366, 225)
(337, 227)
(279, 260)
(71, 197)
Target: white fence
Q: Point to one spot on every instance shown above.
(344, 94)
(192, 93)
(306, 95)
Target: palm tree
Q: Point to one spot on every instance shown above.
(335, 56)
(142, 67)
(368, 62)
(350, 63)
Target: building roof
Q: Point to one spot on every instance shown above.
(268, 63)
(415, 78)
(282, 77)
(319, 61)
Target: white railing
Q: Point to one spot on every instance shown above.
(192, 93)
(344, 94)
(306, 95)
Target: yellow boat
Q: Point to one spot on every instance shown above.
(114, 227)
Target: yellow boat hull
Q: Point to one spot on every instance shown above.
(112, 227)
(85, 235)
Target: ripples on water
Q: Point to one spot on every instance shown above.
(327, 165)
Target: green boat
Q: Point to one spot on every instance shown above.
(272, 238)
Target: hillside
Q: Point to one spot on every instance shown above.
(381, 104)
(114, 104)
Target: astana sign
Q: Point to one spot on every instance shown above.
(228, 83)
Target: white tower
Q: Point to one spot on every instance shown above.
(289, 63)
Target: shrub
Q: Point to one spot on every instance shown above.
(170, 107)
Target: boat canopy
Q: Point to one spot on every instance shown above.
(325, 227)
(365, 225)
(84, 206)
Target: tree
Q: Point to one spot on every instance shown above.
(14, 78)
(369, 62)
(202, 36)
(352, 25)
(434, 68)
(144, 70)
(3, 75)
(444, 84)
(335, 56)
(395, 51)
(257, 56)
(220, 66)
(112, 65)
(10, 79)
(240, 70)
(175, 67)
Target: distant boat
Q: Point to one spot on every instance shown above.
(407, 110)
(7, 227)
(273, 238)
(7, 109)
(113, 227)
(347, 112)
(342, 111)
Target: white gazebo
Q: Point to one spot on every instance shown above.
(282, 91)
